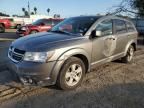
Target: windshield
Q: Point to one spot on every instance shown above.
(38, 22)
(42, 22)
(77, 25)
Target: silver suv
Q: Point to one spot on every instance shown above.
(72, 48)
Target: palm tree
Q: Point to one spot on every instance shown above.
(35, 10)
(48, 10)
(32, 13)
(23, 9)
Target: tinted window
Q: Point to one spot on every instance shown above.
(56, 22)
(120, 26)
(47, 22)
(130, 27)
(42, 21)
(105, 27)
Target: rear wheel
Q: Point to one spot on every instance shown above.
(2, 28)
(33, 32)
(129, 56)
(71, 74)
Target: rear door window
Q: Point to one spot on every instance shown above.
(48, 22)
(56, 22)
(120, 26)
(130, 27)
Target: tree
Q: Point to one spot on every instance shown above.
(23, 9)
(135, 7)
(48, 11)
(35, 10)
(56, 15)
(32, 13)
(26, 13)
(3, 14)
(139, 5)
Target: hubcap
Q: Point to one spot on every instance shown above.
(73, 74)
(130, 54)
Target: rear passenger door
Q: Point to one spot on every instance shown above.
(47, 25)
(120, 31)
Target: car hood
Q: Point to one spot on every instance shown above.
(44, 39)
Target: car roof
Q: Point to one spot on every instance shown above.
(95, 17)
(103, 17)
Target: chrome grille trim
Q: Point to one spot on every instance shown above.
(12, 54)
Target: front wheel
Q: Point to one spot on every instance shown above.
(2, 28)
(129, 56)
(33, 32)
(71, 74)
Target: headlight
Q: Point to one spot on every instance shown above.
(24, 28)
(38, 56)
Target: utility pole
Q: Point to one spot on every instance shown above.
(29, 8)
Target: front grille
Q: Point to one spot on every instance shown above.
(15, 55)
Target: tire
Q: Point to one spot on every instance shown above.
(2, 28)
(129, 56)
(71, 74)
(33, 32)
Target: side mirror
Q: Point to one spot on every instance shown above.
(96, 33)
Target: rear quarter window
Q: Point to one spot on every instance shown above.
(130, 27)
(120, 26)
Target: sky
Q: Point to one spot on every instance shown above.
(66, 8)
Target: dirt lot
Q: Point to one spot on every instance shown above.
(113, 85)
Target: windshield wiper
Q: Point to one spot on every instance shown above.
(60, 31)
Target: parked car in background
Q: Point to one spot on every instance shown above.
(4, 24)
(139, 24)
(14, 24)
(72, 48)
(40, 25)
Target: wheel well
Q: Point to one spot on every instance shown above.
(2, 24)
(84, 59)
(34, 30)
(134, 45)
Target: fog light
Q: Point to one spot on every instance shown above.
(26, 80)
(23, 80)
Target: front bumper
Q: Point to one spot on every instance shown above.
(30, 73)
(22, 33)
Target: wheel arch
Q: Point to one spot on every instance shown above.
(33, 30)
(2, 24)
(133, 43)
(79, 53)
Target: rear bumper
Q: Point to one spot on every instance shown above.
(30, 73)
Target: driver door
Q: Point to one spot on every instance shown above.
(47, 24)
(104, 44)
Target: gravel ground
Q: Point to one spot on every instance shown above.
(112, 85)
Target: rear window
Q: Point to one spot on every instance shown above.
(47, 22)
(130, 27)
(56, 22)
(120, 26)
